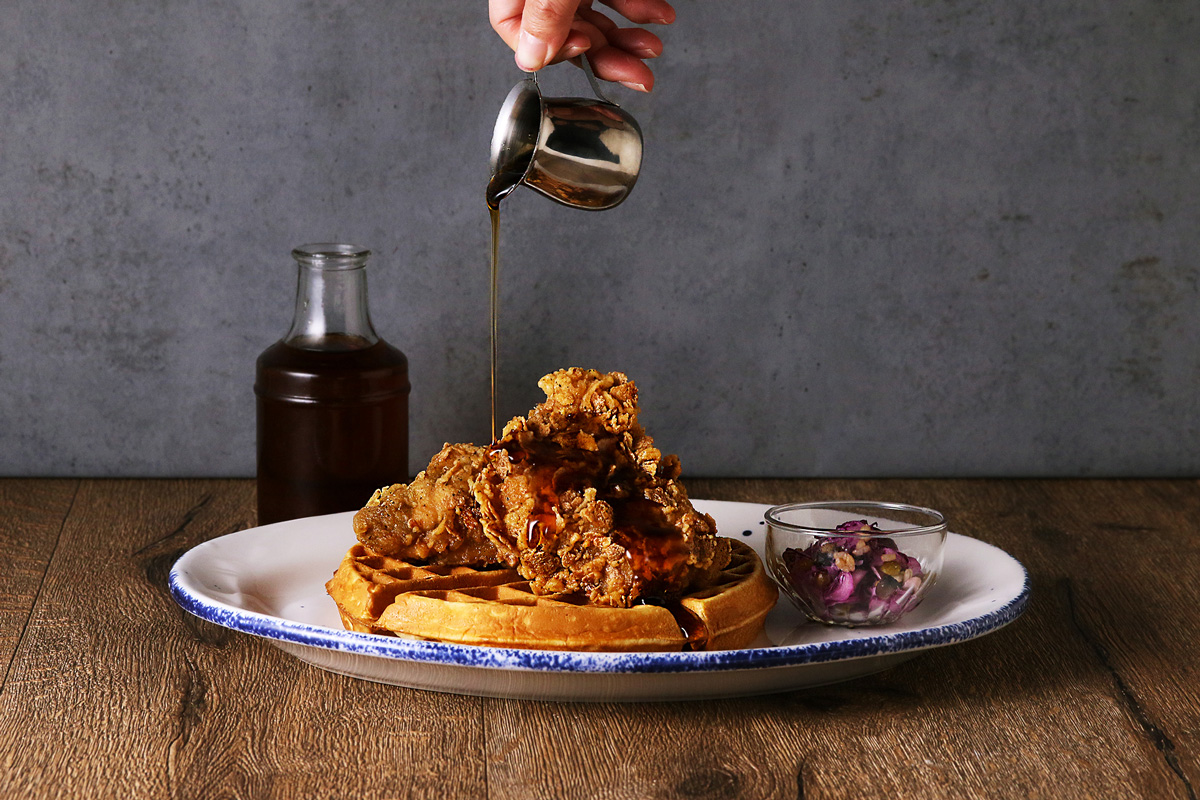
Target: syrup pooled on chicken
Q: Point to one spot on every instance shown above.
(434, 519)
(577, 496)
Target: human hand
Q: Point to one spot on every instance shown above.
(544, 32)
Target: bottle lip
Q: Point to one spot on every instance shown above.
(328, 255)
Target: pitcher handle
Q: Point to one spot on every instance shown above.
(587, 70)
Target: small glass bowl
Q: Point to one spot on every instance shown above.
(855, 563)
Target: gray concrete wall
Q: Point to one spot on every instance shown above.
(870, 238)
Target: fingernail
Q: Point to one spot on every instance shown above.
(573, 50)
(532, 52)
(637, 87)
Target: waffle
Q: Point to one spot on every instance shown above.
(379, 595)
(732, 609)
(365, 584)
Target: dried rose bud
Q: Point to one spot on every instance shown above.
(853, 577)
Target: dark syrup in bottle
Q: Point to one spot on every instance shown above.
(332, 426)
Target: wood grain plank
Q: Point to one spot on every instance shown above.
(1125, 561)
(32, 513)
(946, 725)
(118, 692)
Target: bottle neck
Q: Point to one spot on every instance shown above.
(331, 299)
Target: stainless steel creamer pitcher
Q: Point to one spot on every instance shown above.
(578, 151)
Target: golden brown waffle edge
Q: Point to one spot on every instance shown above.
(365, 584)
(496, 608)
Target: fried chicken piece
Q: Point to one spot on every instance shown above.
(579, 498)
(434, 519)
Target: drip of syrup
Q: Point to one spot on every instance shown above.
(695, 635)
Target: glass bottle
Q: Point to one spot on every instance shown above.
(332, 396)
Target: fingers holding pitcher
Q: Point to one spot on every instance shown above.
(543, 32)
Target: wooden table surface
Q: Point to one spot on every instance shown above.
(111, 690)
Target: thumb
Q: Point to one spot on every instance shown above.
(544, 28)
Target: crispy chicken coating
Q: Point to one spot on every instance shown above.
(575, 496)
(579, 498)
(434, 519)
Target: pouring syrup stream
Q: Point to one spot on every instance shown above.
(499, 187)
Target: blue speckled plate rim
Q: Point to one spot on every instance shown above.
(269, 627)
